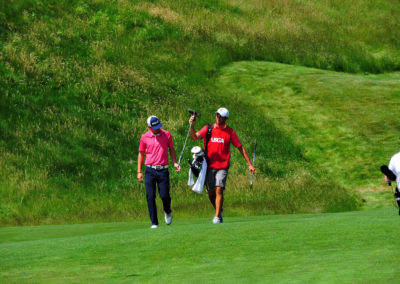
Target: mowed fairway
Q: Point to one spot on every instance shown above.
(352, 247)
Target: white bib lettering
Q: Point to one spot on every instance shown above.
(217, 140)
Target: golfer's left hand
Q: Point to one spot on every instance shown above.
(140, 177)
(252, 169)
(177, 167)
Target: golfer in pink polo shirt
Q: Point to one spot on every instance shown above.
(155, 145)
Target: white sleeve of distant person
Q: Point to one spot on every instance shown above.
(394, 166)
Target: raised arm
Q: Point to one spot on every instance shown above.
(193, 134)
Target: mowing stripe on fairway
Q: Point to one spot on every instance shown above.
(328, 248)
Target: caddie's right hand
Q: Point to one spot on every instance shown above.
(140, 177)
(192, 120)
(252, 169)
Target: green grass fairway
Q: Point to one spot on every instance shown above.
(353, 247)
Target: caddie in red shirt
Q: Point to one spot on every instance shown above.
(218, 152)
(154, 144)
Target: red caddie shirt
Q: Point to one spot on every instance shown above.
(219, 150)
(156, 147)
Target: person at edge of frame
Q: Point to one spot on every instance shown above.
(394, 166)
(154, 144)
(218, 153)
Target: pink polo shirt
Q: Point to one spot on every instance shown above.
(156, 147)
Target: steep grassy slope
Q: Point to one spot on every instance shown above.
(79, 78)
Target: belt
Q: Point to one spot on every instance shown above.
(158, 168)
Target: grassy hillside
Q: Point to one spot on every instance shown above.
(345, 123)
(351, 247)
(79, 78)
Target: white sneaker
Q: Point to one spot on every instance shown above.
(168, 218)
(217, 220)
(154, 227)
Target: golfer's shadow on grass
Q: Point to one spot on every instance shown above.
(144, 275)
(133, 275)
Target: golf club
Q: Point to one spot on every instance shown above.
(254, 159)
(196, 114)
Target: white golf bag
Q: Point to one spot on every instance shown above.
(198, 168)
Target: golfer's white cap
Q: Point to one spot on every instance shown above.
(222, 112)
(154, 122)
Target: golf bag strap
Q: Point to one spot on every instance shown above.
(208, 137)
(397, 193)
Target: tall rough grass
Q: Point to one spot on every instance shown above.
(79, 78)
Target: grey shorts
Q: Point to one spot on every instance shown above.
(216, 177)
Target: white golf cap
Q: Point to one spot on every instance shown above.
(222, 112)
(154, 122)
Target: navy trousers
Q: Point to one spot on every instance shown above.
(152, 179)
